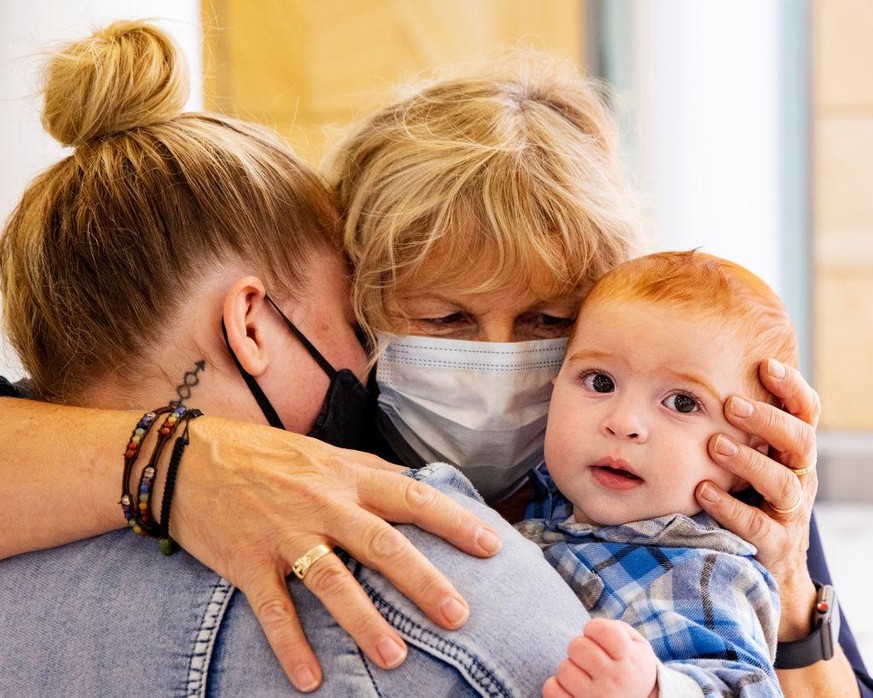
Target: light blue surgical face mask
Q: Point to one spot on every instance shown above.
(481, 406)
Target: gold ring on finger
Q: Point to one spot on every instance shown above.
(304, 562)
(790, 510)
(805, 471)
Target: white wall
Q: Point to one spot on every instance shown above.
(30, 28)
(707, 97)
(714, 104)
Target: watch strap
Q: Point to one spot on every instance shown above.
(820, 644)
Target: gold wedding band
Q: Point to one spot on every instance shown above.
(790, 510)
(805, 471)
(313, 555)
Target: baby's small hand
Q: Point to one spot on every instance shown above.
(608, 660)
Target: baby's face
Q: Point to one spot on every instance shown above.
(455, 309)
(639, 395)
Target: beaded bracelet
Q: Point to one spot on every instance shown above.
(142, 517)
(131, 453)
(165, 543)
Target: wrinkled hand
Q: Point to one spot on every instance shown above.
(779, 529)
(608, 660)
(250, 500)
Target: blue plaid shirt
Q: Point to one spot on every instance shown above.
(694, 590)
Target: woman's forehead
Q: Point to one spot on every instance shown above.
(476, 286)
(483, 268)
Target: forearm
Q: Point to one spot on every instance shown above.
(834, 677)
(60, 470)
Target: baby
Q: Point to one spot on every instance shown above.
(679, 604)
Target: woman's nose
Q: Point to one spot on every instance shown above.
(497, 330)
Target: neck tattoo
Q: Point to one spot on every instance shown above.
(189, 380)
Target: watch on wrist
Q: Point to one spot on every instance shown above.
(821, 643)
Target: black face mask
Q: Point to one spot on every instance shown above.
(342, 420)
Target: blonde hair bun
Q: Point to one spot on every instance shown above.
(124, 76)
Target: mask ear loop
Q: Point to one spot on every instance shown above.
(259, 395)
(313, 352)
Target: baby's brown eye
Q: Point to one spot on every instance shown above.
(598, 382)
(682, 403)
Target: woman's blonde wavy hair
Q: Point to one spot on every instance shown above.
(517, 162)
(100, 253)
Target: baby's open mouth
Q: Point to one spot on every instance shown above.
(618, 471)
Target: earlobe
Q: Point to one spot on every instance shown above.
(245, 315)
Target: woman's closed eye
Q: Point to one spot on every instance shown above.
(446, 320)
(685, 403)
(543, 325)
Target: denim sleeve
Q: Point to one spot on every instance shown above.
(522, 617)
(818, 570)
(522, 614)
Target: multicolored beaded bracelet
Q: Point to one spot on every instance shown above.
(143, 520)
(131, 453)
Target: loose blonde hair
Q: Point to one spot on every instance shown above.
(98, 256)
(519, 159)
(710, 288)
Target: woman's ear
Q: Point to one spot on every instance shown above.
(246, 313)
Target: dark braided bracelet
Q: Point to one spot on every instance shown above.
(165, 543)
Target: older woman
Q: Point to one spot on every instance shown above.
(478, 211)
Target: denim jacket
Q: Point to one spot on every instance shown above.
(110, 616)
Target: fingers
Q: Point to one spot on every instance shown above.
(404, 500)
(748, 522)
(330, 580)
(788, 385)
(575, 675)
(609, 658)
(589, 667)
(778, 485)
(274, 611)
(613, 636)
(792, 438)
(552, 689)
(382, 547)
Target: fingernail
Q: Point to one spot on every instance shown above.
(488, 540)
(741, 408)
(775, 369)
(709, 493)
(391, 651)
(304, 679)
(454, 611)
(725, 446)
